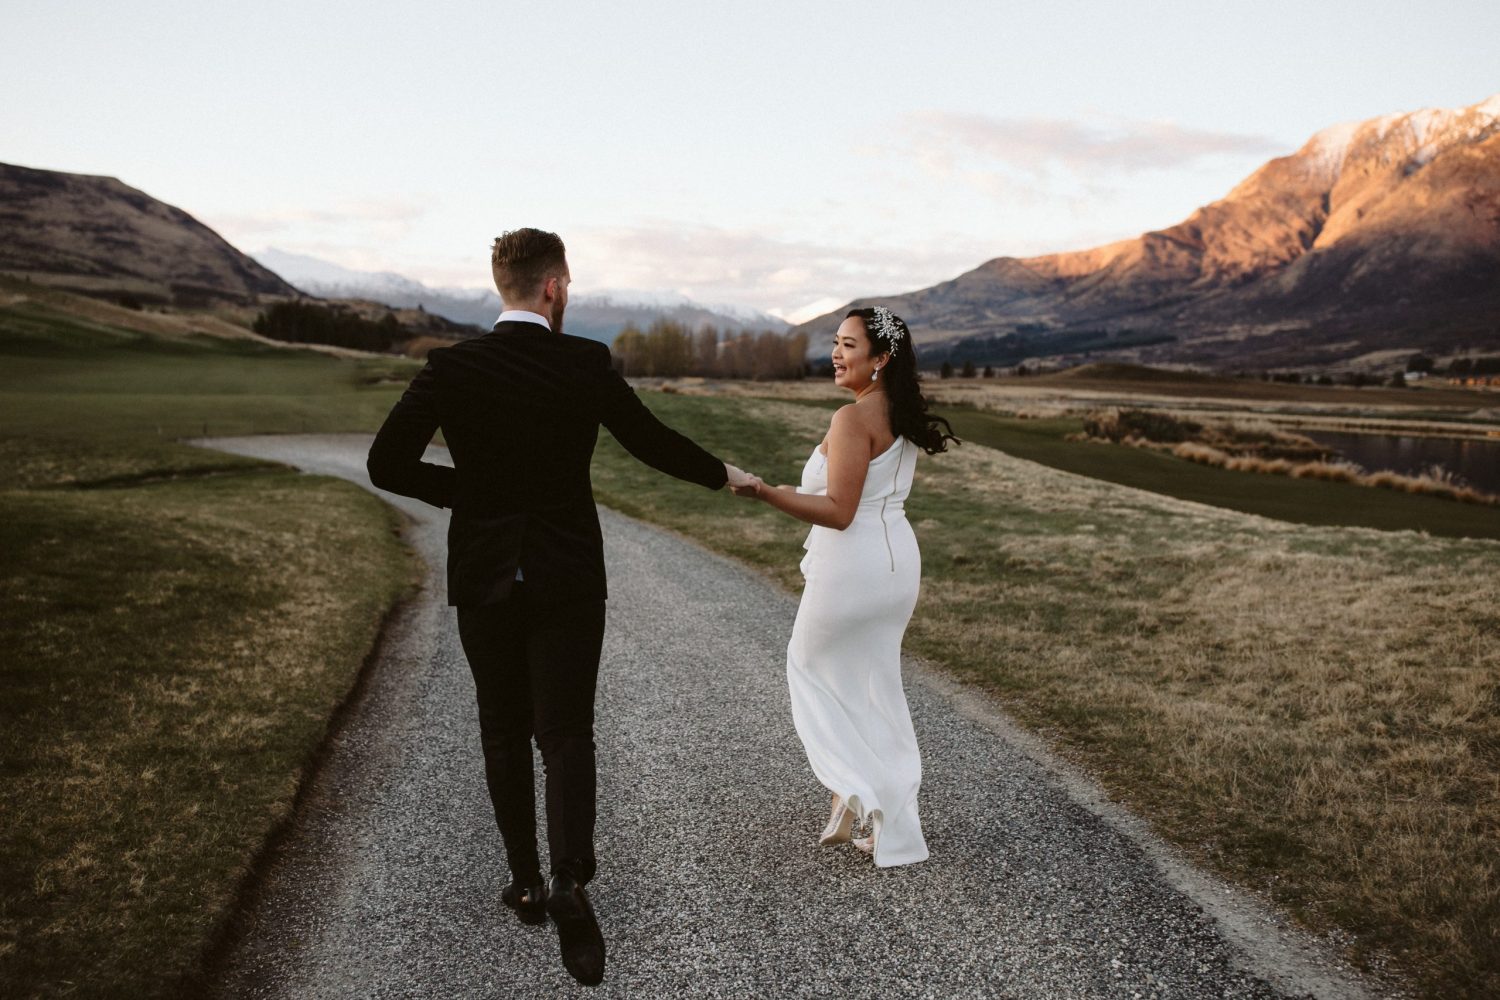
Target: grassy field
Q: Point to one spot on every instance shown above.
(1136, 380)
(1303, 501)
(85, 403)
(178, 628)
(1308, 709)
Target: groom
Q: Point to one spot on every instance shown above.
(520, 408)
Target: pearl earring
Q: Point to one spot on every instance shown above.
(875, 375)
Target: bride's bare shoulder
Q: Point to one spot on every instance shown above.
(847, 418)
(854, 420)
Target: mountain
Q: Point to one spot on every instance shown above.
(599, 316)
(100, 236)
(1375, 235)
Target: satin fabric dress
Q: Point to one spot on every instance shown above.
(844, 657)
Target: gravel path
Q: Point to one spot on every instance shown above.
(711, 883)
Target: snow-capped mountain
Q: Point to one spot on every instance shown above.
(1381, 234)
(312, 274)
(599, 315)
(666, 302)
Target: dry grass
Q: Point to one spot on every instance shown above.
(228, 323)
(1257, 445)
(1456, 413)
(1225, 392)
(1310, 710)
(418, 347)
(1437, 483)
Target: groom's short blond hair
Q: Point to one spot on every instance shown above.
(523, 259)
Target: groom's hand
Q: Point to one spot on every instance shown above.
(738, 477)
(751, 489)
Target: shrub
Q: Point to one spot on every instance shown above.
(311, 323)
(1434, 482)
(1152, 425)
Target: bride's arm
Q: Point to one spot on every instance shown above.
(848, 462)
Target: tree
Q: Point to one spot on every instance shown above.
(770, 356)
(706, 352)
(968, 370)
(989, 372)
(1398, 381)
(1021, 370)
(1419, 363)
(668, 349)
(796, 355)
(947, 370)
(310, 323)
(739, 359)
(628, 348)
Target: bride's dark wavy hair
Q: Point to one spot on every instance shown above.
(903, 390)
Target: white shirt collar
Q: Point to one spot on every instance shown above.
(522, 316)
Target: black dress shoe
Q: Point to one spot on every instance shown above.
(530, 902)
(577, 930)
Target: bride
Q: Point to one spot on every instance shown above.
(863, 571)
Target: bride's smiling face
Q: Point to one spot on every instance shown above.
(852, 363)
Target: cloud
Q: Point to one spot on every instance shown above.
(355, 219)
(759, 269)
(941, 141)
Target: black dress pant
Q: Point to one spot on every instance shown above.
(535, 669)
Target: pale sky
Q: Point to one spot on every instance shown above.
(781, 155)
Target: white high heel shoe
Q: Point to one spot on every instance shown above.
(840, 822)
(867, 844)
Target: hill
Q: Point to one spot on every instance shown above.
(598, 316)
(1375, 235)
(99, 236)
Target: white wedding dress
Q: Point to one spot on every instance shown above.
(844, 659)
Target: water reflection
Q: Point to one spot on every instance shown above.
(1476, 462)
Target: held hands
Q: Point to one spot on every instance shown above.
(742, 483)
(751, 489)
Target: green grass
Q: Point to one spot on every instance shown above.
(82, 403)
(175, 642)
(1308, 709)
(1301, 501)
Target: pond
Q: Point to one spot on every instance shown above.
(1476, 461)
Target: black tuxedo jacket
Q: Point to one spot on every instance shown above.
(520, 409)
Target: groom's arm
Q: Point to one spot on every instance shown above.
(647, 438)
(395, 462)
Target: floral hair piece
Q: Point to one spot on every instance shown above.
(885, 325)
